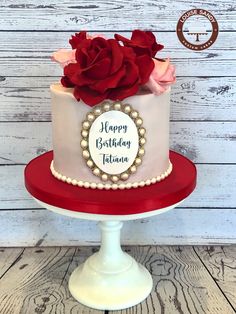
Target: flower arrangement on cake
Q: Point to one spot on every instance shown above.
(99, 68)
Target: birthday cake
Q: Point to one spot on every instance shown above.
(110, 112)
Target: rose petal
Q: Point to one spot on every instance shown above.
(99, 55)
(81, 79)
(154, 87)
(160, 69)
(155, 46)
(169, 75)
(116, 55)
(99, 42)
(77, 39)
(111, 81)
(139, 38)
(81, 54)
(99, 70)
(128, 53)
(146, 66)
(74, 72)
(71, 69)
(89, 96)
(66, 82)
(132, 73)
(64, 57)
(118, 37)
(121, 93)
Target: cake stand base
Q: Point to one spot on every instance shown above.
(110, 279)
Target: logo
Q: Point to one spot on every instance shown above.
(197, 29)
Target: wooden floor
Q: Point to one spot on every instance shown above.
(186, 279)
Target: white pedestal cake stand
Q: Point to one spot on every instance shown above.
(110, 279)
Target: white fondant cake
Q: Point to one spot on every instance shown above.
(68, 162)
(110, 112)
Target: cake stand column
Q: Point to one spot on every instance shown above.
(110, 279)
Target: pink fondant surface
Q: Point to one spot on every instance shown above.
(67, 117)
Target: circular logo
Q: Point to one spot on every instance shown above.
(197, 29)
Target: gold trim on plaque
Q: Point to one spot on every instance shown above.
(84, 143)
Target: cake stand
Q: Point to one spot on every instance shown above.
(110, 279)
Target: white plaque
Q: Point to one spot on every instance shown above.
(113, 142)
(113, 139)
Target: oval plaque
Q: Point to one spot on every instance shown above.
(112, 141)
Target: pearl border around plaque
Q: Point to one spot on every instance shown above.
(113, 139)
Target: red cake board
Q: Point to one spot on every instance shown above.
(41, 184)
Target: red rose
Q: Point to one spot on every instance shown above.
(142, 42)
(105, 70)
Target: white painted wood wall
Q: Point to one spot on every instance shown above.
(202, 119)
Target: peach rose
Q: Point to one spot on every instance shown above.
(64, 56)
(162, 76)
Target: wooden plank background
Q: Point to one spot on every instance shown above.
(203, 114)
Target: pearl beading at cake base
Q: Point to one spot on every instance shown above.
(107, 186)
